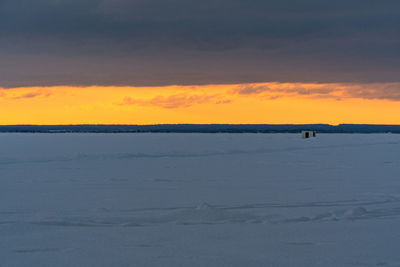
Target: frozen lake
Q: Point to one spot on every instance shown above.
(199, 200)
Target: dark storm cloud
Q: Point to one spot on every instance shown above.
(160, 42)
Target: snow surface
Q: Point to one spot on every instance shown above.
(199, 200)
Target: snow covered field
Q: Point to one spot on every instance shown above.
(199, 200)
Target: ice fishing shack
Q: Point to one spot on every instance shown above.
(308, 134)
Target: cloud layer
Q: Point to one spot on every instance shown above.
(162, 42)
(174, 101)
(382, 91)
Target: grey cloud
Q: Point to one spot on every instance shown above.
(32, 95)
(28, 95)
(251, 89)
(387, 91)
(174, 101)
(4, 93)
(390, 91)
(162, 42)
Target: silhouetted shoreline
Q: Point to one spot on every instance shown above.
(202, 128)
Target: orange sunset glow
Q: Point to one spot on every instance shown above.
(271, 103)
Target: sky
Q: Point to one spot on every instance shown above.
(210, 61)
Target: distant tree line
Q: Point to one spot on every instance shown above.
(203, 128)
